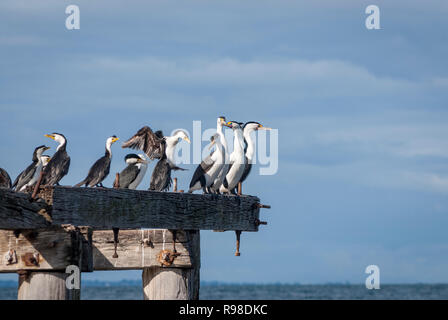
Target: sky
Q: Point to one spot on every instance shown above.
(361, 118)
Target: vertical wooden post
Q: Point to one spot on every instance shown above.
(165, 283)
(45, 286)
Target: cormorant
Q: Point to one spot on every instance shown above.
(30, 175)
(147, 141)
(100, 169)
(237, 160)
(214, 188)
(250, 127)
(132, 175)
(59, 164)
(161, 176)
(209, 168)
(5, 180)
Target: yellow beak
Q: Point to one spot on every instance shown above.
(49, 136)
(46, 148)
(187, 139)
(264, 128)
(115, 139)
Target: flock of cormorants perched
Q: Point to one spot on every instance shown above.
(217, 173)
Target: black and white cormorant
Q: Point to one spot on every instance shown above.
(59, 164)
(209, 168)
(250, 127)
(133, 174)
(5, 179)
(237, 160)
(161, 176)
(30, 175)
(220, 123)
(100, 169)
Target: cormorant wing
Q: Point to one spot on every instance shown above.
(25, 176)
(161, 176)
(5, 180)
(98, 171)
(128, 175)
(201, 169)
(247, 168)
(147, 141)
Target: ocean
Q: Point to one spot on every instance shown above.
(268, 292)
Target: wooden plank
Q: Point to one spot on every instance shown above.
(138, 249)
(49, 249)
(132, 209)
(19, 211)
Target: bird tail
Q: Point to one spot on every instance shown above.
(80, 184)
(178, 168)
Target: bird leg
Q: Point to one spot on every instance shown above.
(117, 181)
(240, 188)
(238, 234)
(115, 230)
(36, 188)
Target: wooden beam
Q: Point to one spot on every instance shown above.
(102, 208)
(50, 249)
(18, 211)
(138, 249)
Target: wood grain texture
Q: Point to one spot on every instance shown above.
(18, 211)
(45, 286)
(56, 247)
(175, 283)
(131, 209)
(138, 249)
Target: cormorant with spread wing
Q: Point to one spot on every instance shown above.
(30, 175)
(59, 164)
(209, 168)
(5, 179)
(147, 141)
(133, 174)
(100, 169)
(161, 176)
(237, 160)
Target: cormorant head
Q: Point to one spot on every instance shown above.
(214, 139)
(221, 121)
(133, 158)
(253, 126)
(181, 134)
(111, 140)
(235, 125)
(45, 159)
(58, 137)
(38, 152)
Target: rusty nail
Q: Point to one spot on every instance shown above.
(264, 206)
(258, 222)
(175, 185)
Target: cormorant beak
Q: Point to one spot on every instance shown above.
(142, 161)
(48, 160)
(228, 124)
(263, 128)
(46, 148)
(187, 139)
(51, 136)
(115, 139)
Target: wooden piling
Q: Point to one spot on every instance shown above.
(45, 286)
(166, 283)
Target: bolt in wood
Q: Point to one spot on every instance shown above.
(238, 235)
(115, 230)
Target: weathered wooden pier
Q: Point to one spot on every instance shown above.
(114, 229)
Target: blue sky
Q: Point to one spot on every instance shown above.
(361, 114)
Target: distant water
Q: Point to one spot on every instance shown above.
(271, 292)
